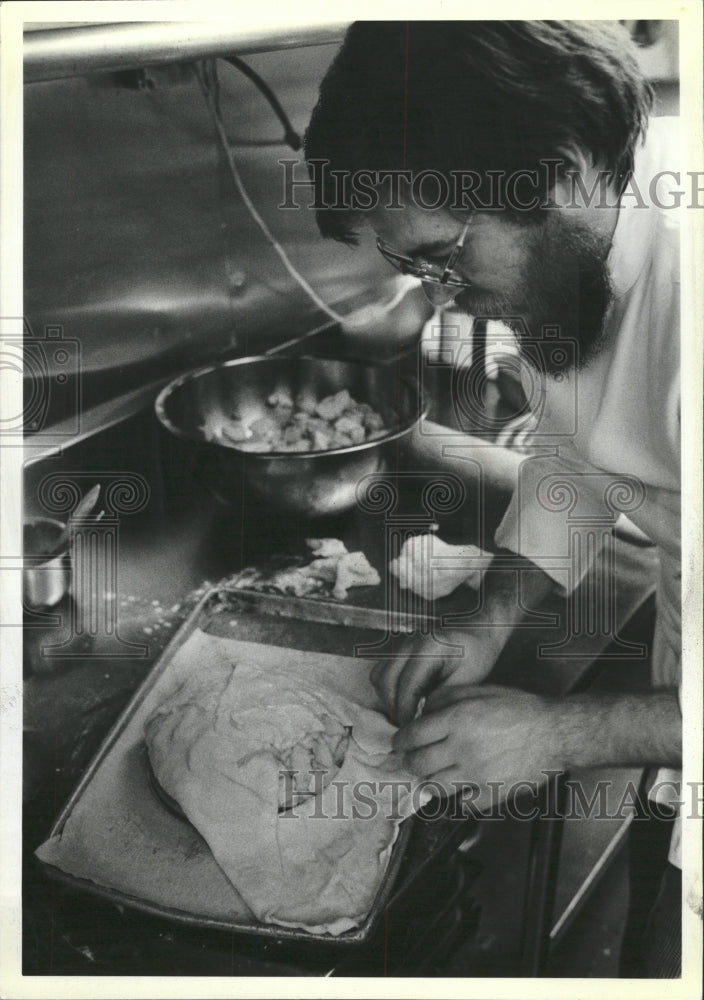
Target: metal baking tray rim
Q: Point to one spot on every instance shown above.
(356, 937)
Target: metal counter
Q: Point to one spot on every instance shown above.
(168, 549)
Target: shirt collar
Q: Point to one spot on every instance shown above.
(631, 242)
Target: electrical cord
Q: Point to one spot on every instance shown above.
(290, 135)
(210, 87)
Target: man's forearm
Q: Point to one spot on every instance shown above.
(504, 595)
(433, 447)
(595, 730)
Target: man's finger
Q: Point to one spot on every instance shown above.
(475, 800)
(384, 677)
(419, 675)
(430, 759)
(421, 732)
(449, 694)
(453, 782)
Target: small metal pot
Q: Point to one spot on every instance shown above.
(47, 569)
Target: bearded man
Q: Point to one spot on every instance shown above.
(554, 217)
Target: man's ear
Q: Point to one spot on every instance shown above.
(575, 178)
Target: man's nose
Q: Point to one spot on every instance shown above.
(438, 294)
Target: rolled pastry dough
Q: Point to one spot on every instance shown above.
(219, 745)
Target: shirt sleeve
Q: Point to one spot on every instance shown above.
(560, 517)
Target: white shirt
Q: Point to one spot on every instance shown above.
(620, 415)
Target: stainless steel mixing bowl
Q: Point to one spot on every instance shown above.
(309, 484)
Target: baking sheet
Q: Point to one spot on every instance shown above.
(122, 843)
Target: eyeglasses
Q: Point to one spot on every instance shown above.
(433, 273)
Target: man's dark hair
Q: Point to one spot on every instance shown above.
(476, 96)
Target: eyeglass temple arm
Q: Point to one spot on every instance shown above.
(455, 254)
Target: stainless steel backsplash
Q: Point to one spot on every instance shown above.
(137, 243)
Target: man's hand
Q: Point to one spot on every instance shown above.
(474, 735)
(419, 668)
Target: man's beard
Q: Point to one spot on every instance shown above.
(564, 286)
